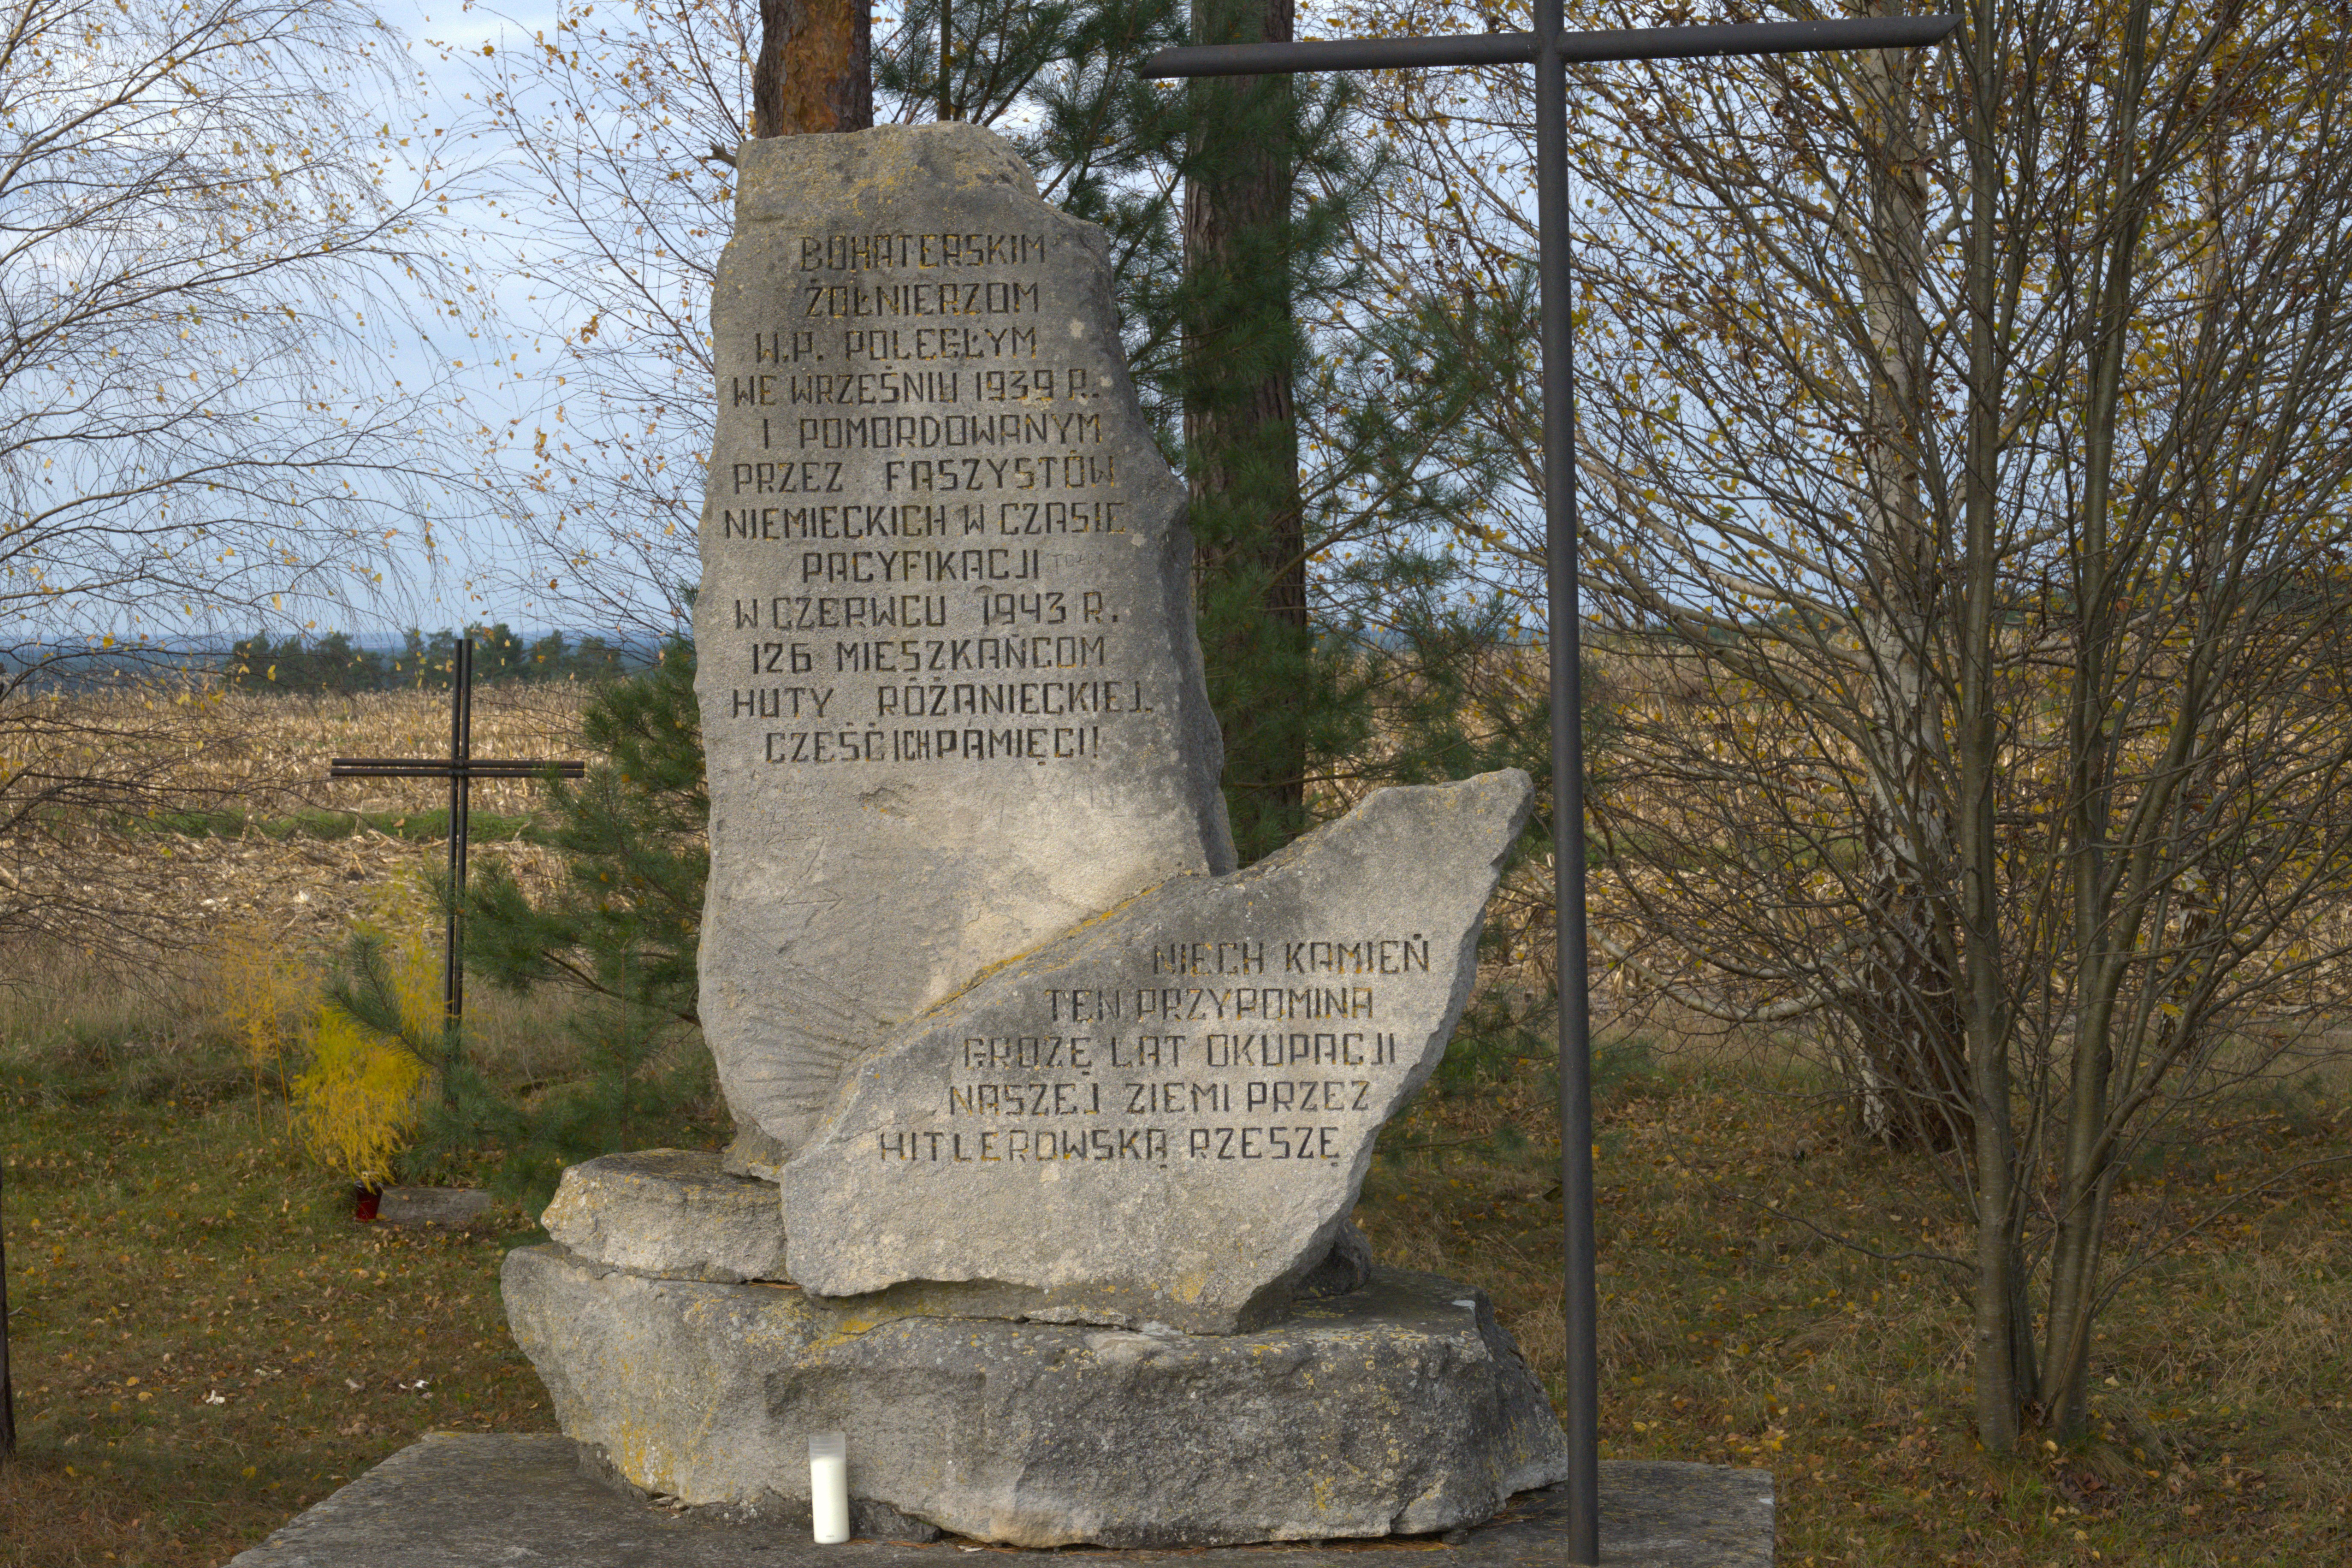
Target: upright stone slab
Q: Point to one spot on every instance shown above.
(951, 697)
(1166, 1115)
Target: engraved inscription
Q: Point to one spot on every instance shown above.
(1277, 1073)
(900, 432)
(861, 300)
(889, 438)
(872, 252)
(924, 344)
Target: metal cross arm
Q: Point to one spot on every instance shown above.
(1548, 48)
(438, 768)
(1575, 48)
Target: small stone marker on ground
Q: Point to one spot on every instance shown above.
(453, 1209)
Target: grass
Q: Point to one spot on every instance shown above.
(1746, 1320)
(417, 826)
(206, 1343)
(202, 1342)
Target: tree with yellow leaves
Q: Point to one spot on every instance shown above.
(1966, 471)
(262, 993)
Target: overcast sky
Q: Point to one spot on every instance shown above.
(450, 590)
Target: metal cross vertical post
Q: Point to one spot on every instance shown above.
(1551, 50)
(461, 768)
(1563, 618)
(461, 801)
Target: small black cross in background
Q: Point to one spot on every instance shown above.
(461, 768)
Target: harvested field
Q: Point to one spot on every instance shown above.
(233, 819)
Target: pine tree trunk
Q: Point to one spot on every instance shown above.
(1241, 431)
(815, 71)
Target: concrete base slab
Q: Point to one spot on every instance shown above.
(464, 1500)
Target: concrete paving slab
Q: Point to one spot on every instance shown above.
(458, 1500)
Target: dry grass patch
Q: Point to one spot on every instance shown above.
(1764, 1303)
(202, 1341)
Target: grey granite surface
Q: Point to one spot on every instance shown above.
(1165, 1115)
(454, 1207)
(671, 1212)
(1399, 1407)
(464, 1500)
(951, 695)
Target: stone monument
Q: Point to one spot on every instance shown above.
(1050, 1120)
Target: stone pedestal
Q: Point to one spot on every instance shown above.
(479, 1500)
(672, 1213)
(1400, 1408)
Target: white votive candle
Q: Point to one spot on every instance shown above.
(829, 1487)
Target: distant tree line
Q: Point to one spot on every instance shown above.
(334, 663)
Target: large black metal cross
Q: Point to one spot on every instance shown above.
(1549, 49)
(461, 768)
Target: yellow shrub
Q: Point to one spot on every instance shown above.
(358, 1096)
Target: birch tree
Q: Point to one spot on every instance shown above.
(204, 262)
(1965, 465)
